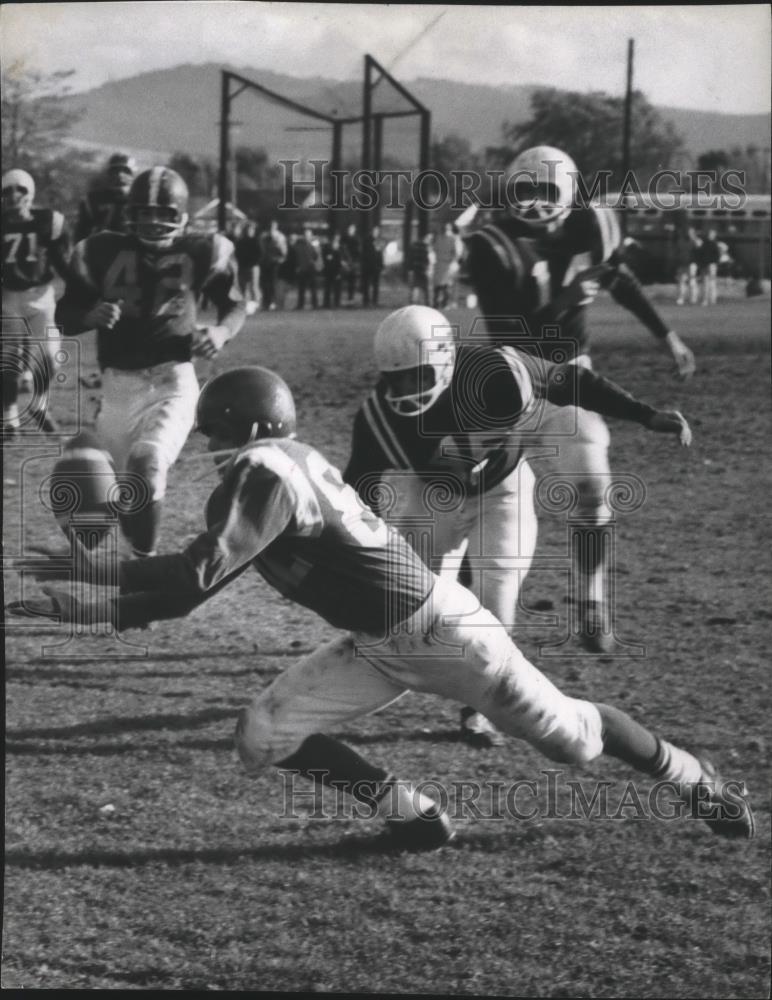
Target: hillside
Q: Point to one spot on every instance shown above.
(178, 109)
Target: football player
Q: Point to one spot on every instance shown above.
(282, 509)
(105, 207)
(451, 419)
(139, 290)
(540, 263)
(106, 203)
(36, 248)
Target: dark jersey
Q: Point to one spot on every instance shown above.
(101, 209)
(522, 278)
(285, 510)
(462, 437)
(157, 291)
(34, 249)
(478, 428)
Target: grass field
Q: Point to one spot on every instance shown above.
(139, 856)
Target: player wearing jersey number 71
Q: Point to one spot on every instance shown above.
(36, 248)
(284, 510)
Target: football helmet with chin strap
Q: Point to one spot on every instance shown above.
(18, 191)
(415, 338)
(540, 187)
(158, 207)
(245, 404)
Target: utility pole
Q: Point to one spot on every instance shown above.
(627, 124)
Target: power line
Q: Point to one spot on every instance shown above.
(417, 39)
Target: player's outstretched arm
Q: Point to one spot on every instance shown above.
(671, 422)
(253, 512)
(682, 356)
(570, 385)
(628, 292)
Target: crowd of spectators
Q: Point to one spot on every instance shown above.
(279, 270)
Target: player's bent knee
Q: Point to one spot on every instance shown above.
(253, 739)
(258, 743)
(580, 739)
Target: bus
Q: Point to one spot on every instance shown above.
(655, 234)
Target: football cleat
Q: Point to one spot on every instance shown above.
(428, 832)
(724, 805)
(478, 731)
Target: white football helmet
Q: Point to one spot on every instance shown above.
(411, 338)
(540, 186)
(18, 190)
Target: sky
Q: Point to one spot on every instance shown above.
(707, 57)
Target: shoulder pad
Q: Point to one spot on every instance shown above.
(222, 251)
(57, 225)
(215, 251)
(594, 229)
(107, 238)
(505, 248)
(44, 219)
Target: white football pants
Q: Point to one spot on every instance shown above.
(450, 647)
(148, 413)
(497, 530)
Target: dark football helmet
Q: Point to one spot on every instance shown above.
(120, 171)
(244, 404)
(158, 207)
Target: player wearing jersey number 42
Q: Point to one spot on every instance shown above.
(139, 289)
(283, 510)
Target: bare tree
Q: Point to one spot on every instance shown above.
(35, 125)
(35, 121)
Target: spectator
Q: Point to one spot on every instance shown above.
(247, 247)
(353, 258)
(708, 258)
(306, 258)
(332, 262)
(372, 265)
(687, 244)
(286, 273)
(421, 262)
(448, 249)
(273, 252)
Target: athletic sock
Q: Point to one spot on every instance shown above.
(677, 765)
(330, 762)
(629, 741)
